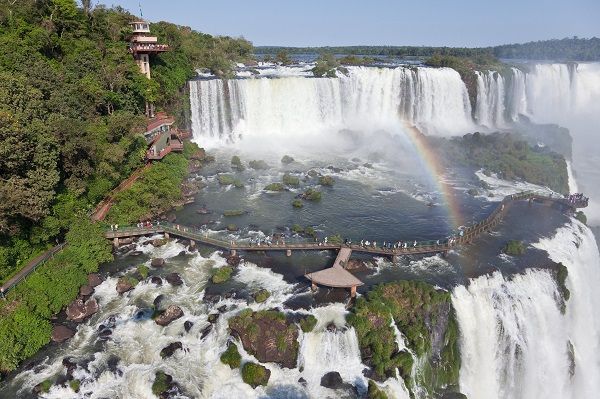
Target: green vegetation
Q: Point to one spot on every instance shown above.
(473, 192)
(255, 374)
(231, 356)
(326, 181)
(226, 180)
(291, 180)
(45, 386)
(287, 159)
(236, 212)
(327, 65)
(258, 165)
(143, 271)
(231, 227)
(221, 274)
(161, 383)
(417, 309)
(374, 392)
(508, 156)
(309, 231)
(261, 295)
(298, 204)
(308, 323)
(297, 228)
(312, 195)
(561, 279)
(274, 187)
(235, 161)
(238, 184)
(514, 247)
(74, 385)
(581, 217)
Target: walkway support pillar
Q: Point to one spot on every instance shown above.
(233, 252)
(167, 235)
(313, 287)
(116, 242)
(353, 291)
(288, 252)
(446, 253)
(394, 256)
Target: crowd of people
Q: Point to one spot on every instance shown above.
(578, 199)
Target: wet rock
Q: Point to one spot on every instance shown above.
(335, 169)
(156, 280)
(135, 253)
(281, 228)
(158, 262)
(355, 265)
(172, 313)
(94, 280)
(302, 381)
(231, 294)
(159, 242)
(187, 326)
(158, 300)
(170, 216)
(104, 334)
(203, 211)
(211, 297)
(205, 331)
(222, 309)
(80, 310)
(86, 290)
(174, 279)
(70, 366)
(168, 350)
(332, 380)
(331, 327)
(124, 285)
(368, 165)
(234, 260)
(212, 318)
(61, 334)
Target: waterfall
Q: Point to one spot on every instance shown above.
(515, 343)
(490, 110)
(434, 100)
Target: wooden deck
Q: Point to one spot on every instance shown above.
(336, 276)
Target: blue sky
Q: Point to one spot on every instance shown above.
(456, 23)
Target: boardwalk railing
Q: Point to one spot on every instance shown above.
(26, 271)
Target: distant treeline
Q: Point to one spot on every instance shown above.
(567, 49)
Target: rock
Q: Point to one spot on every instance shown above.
(104, 334)
(355, 265)
(234, 260)
(156, 280)
(212, 318)
(158, 300)
(331, 327)
(135, 253)
(168, 351)
(332, 380)
(205, 331)
(80, 310)
(158, 262)
(124, 285)
(231, 294)
(170, 216)
(159, 242)
(86, 290)
(211, 297)
(61, 334)
(203, 211)
(368, 166)
(172, 313)
(302, 381)
(222, 309)
(70, 366)
(94, 280)
(174, 279)
(187, 326)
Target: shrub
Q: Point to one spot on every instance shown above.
(231, 356)
(312, 195)
(312, 173)
(161, 383)
(297, 228)
(74, 385)
(298, 203)
(309, 231)
(308, 323)
(231, 227)
(238, 184)
(45, 386)
(473, 192)
(287, 159)
(235, 160)
(255, 374)
(291, 180)
(258, 165)
(261, 295)
(514, 247)
(221, 274)
(274, 187)
(237, 212)
(374, 392)
(143, 271)
(326, 181)
(561, 278)
(226, 180)
(581, 217)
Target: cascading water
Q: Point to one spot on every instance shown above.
(515, 343)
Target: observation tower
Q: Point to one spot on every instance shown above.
(141, 45)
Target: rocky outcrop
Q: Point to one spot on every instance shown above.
(124, 285)
(61, 334)
(174, 279)
(332, 380)
(172, 313)
(80, 310)
(268, 335)
(158, 262)
(94, 280)
(86, 290)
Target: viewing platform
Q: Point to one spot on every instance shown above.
(336, 276)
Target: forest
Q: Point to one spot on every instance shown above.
(72, 105)
(567, 49)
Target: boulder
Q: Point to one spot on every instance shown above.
(168, 350)
(156, 280)
(170, 216)
(159, 242)
(212, 318)
(233, 260)
(332, 380)
(205, 331)
(355, 265)
(61, 333)
(222, 309)
(172, 313)
(86, 290)
(187, 326)
(124, 285)
(331, 327)
(158, 300)
(135, 253)
(174, 279)
(211, 297)
(70, 366)
(80, 310)
(158, 262)
(94, 280)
